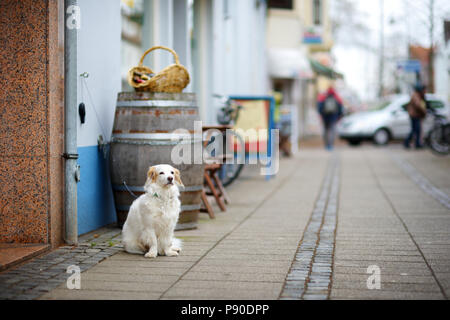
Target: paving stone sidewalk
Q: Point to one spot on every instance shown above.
(245, 253)
(310, 233)
(386, 219)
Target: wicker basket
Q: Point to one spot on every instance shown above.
(172, 79)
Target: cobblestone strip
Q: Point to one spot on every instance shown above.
(33, 279)
(421, 181)
(311, 271)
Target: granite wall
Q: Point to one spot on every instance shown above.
(31, 121)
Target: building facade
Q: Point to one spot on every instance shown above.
(442, 66)
(228, 51)
(292, 56)
(221, 42)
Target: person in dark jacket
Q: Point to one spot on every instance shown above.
(330, 109)
(417, 110)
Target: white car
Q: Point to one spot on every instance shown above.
(388, 122)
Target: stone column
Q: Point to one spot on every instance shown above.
(31, 126)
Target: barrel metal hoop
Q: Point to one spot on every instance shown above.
(154, 142)
(190, 207)
(153, 136)
(187, 207)
(191, 188)
(119, 187)
(186, 226)
(156, 103)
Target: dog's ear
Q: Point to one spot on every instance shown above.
(151, 174)
(178, 178)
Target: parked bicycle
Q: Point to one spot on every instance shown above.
(438, 138)
(232, 143)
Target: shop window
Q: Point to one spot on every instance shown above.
(317, 12)
(281, 4)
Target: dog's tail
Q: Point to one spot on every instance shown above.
(177, 243)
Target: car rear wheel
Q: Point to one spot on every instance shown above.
(381, 137)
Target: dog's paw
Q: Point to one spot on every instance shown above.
(171, 253)
(176, 249)
(151, 254)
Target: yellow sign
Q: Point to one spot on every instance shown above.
(253, 115)
(128, 3)
(252, 124)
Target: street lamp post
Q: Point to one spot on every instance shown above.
(381, 66)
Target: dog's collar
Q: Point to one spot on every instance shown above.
(155, 195)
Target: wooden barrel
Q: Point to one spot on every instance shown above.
(142, 137)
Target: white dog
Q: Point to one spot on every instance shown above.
(152, 217)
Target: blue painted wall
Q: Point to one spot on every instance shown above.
(99, 49)
(95, 198)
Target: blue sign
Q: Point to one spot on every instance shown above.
(312, 38)
(409, 65)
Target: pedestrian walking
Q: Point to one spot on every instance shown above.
(331, 110)
(417, 110)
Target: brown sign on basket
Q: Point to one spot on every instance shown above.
(172, 79)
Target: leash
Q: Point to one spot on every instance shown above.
(129, 191)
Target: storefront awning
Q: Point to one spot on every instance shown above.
(324, 70)
(288, 64)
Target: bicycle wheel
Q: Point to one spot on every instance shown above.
(230, 171)
(439, 139)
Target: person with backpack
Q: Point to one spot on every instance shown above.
(417, 110)
(330, 109)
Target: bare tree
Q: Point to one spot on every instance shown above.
(349, 24)
(427, 15)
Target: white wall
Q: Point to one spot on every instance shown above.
(229, 51)
(442, 73)
(202, 55)
(158, 31)
(166, 23)
(99, 49)
(277, 35)
(99, 55)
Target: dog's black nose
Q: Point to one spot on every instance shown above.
(170, 179)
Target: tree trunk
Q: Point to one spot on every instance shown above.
(431, 52)
(431, 71)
